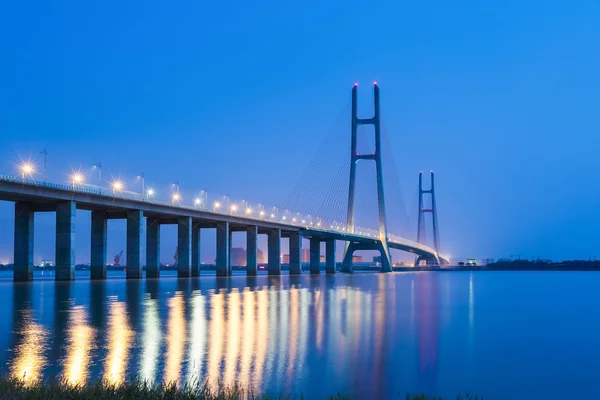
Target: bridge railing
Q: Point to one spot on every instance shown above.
(223, 205)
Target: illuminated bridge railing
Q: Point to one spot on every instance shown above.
(222, 205)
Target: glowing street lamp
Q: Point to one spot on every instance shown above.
(233, 208)
(216, 205)
(176, 197)
(248, 211)
(76, 179)
(117, 186)
(149, 193)
(27, 169)
(197, 201)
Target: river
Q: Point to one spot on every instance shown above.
(378, 336)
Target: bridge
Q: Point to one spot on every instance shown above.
(145, 214)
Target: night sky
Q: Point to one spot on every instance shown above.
(499, 98)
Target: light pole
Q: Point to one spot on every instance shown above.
(143, 186)
(98, 166)
(45, 153)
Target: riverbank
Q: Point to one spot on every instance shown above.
(11, 388)
(514, 265)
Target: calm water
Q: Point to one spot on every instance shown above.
(497, 334)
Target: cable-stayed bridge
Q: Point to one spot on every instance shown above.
(342, 213)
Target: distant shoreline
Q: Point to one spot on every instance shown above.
(515, 265)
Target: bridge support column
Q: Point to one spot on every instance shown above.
(23, 246)
(295, 253)
(65, 241)
(152, 247)
(274, 248)
(347, 263)
(223, 259)
(184, 247)
(315, 256)
(386, 262)
(251, 250)
(98, 247)
(196, 250)
(330, 256)
(135, 218)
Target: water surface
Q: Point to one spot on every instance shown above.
(497, 334)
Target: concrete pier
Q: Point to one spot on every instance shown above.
(251, 250)
(223, 259)
(98, 247)
(347, 262)
(315, 256)
(196, 250)
(152, 247)
(295, 253)
(65, 241)
(135, 219)
(23, 245)
(184, 247)
(330, 256)
(274, 250)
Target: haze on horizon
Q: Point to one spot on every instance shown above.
(500, 99)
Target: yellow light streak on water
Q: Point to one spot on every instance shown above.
(29, 360)
(79, 346)
(176, 337)
(120, 338)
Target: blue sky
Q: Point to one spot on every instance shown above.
(499, 98)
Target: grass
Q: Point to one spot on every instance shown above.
(11, 388)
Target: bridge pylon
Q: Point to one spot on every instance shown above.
(421, 221)
(355, 157)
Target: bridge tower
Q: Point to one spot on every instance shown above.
(421, 221)
(355, 157)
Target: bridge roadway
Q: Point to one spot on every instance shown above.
(32, 196)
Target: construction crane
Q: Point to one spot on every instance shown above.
(117, 259)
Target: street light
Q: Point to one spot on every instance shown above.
(216, 205)
(117, 186)
(77, 178)
(26, 169)
(176, 197)
(149, 193)
(197, 201)
(233, 208)
(248, 211)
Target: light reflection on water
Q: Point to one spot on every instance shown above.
(372, 335)
(29, 359)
